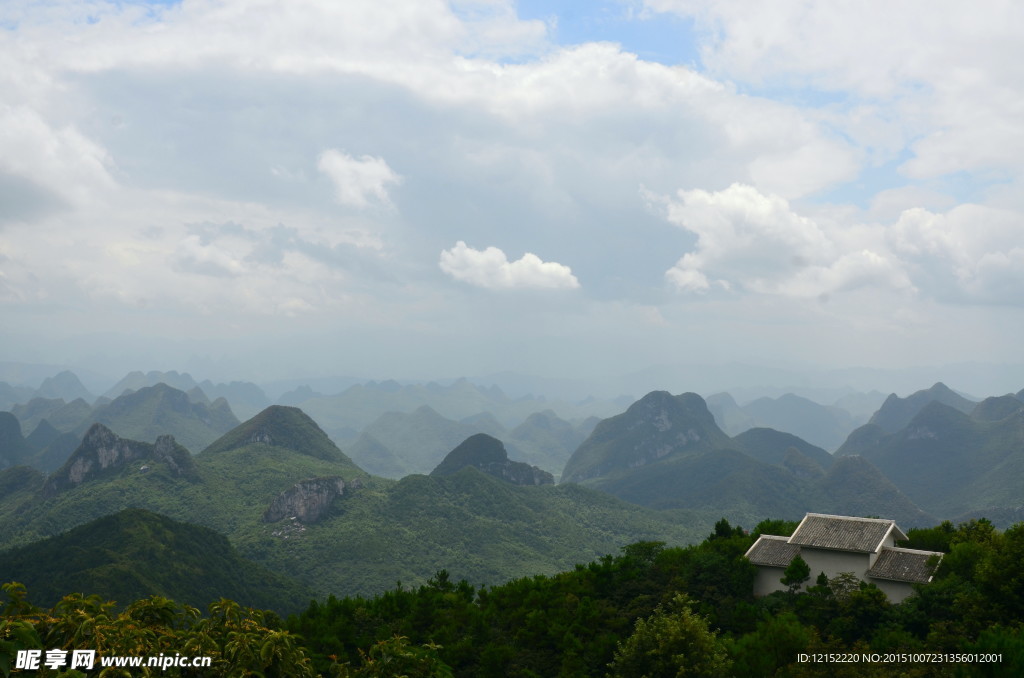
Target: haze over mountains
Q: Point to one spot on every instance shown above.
(419, 488)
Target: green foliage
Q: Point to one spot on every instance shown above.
(772, 645)
(135, 553)
(652, 610)
(796, 573)
(671, 642)
(938, 538)
(240, 641)
(395, 656)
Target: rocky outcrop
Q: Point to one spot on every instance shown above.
(488, 454)
(307, 500)
(102, 449)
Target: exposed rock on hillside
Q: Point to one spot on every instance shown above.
(307, 500)
(488, 454)
(102, 449)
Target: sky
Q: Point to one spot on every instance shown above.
(261, 189)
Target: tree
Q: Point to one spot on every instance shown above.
(674, 641)
(796, 574)
(396, 656)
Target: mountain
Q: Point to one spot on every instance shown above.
(134, 554)
(854, 487)
(949, 463)
(471, 524)
(157, 410)
(861, 405)
(376, 457)
(996, 408)
(134, 381)
(666, 452)
(104, 451)
(729, 416)
(19, 486)
(62, 415)
(14, 450)
(367, 533)
(485, 422)
(771, 446)
(360, 405)
(245, 398)
(227, 486)
(51, 448)
(412, 443)
(896, 412)
(64, 385)
(43, 434)
(653, 427)
(488, 454)
(13, 395)
(824, 426)
(282, 427)
(546, 440)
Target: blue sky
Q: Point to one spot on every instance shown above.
(557, 188)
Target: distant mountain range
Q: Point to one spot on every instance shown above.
(476, 494)
(952, 456)
(668, 451)
(397, 444)
(821, 425)
(932, 455)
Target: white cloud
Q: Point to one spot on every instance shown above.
(748, 241)
(970, 253)
(491, 269)
(940, 76)
(358, 181)
(60, 158)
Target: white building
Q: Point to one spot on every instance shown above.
(837, 544)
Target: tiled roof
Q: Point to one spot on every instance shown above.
(843, 533)
(772, 551)
(903, 565)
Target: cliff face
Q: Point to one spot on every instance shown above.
(488, 454)
(103, 449)
(306, 500)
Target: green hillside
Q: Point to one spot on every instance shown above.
(471, 524)
(487, 453)
(134, 554)
(770, 446)
(372, 534)
(949, 463)
(657, 425)
(667, 452)
(283, 427)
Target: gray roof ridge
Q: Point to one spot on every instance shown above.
(868, 520)
(916, 551)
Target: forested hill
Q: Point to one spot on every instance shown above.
(646, 612)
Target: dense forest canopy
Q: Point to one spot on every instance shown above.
(637, 613)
